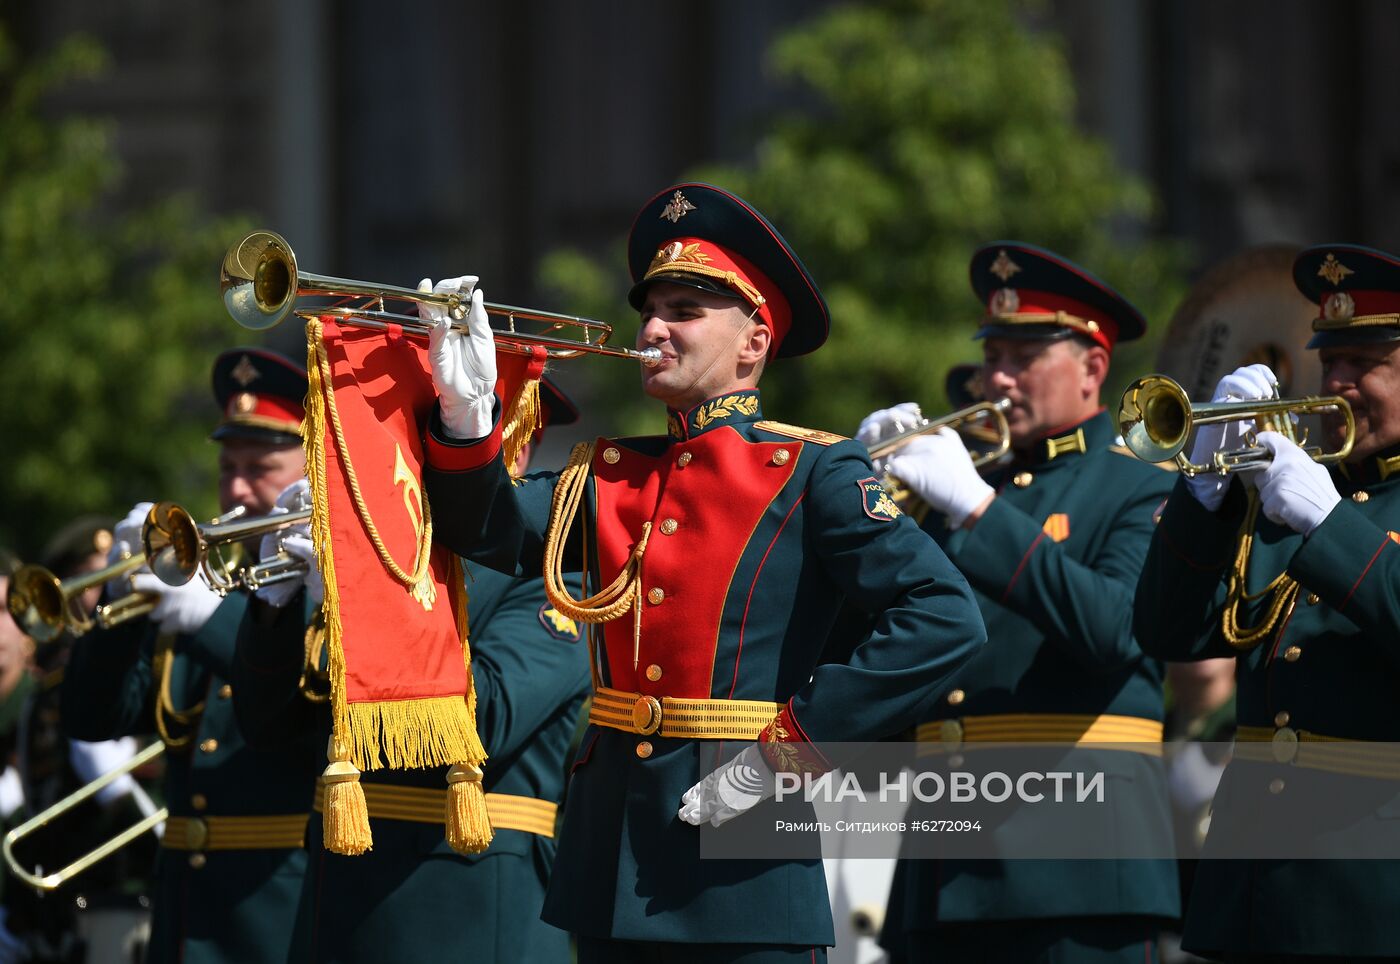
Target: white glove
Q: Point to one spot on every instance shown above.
(294, 541)
(939, 470)
(1243, 384)
(126, 534)
(464, 367)
(885, 424)
(179, 609)
(1294, 490)
(733, 788)
(91, 760)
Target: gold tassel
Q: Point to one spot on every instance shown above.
(345, 822)
(521, 423)
(525, 415)
(468, 825)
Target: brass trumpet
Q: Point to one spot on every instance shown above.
(260, 283)
(46, 882)
(43, 605)
(1156, 417)
(178, 547)
(986, 420)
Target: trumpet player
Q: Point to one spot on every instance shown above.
(1294, 569)
(229, 869)
(1051, 543)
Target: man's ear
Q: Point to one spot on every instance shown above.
(1096, 361)
(755, 347)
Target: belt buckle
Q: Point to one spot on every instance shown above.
(646, 715)
(196, 833)
(1285, 744)
(950, 734)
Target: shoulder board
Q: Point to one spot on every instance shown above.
(814, 435)
(1124, 450)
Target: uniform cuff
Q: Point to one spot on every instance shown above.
(786, 748)
(447, 454)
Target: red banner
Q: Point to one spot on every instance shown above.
(395, 603)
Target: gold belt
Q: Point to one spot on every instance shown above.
(1334, 754)
(425, 805)
(688, 719)
(235, 833)
(949, 736)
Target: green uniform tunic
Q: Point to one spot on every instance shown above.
(1332, 668)
(1053, 563)
(211, 906)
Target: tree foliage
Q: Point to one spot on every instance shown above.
(108, 318)
(938, 125)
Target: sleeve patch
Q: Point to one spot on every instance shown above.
(557, 624)
(1057, 526)
(876, 500)
(796, 431)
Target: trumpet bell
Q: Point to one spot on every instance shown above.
(36, 601)
(173, 543)
(258, 280)
(1155, 418)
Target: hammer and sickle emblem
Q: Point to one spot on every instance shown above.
(425, 592)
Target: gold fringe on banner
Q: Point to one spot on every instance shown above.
(521, 422)
(437, 731)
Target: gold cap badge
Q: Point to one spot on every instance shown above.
(244, 403)
(677, 208)
(244, 373)
(1333, 270)
(1003, 267)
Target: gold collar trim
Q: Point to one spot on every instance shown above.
(1065, 445)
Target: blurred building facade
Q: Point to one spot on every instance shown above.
(442, 138)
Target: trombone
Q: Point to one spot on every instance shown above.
(984, 420)
(260, 283)
(46, 882)
(43, 605)
(178, 547)
(1155, 419)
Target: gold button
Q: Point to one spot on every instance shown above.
(1285, 744)
(1292, 653)
(199, 801)
(781, 457)
(655, 595)
(1276, 785)
(950, 734)
(197, 861)
(196, 833)
(653, 672)
(644, 749)
(1281, 718)
(1022, 479)
(1359, 497)
(209, 745)
(669, 526)
(956, 697)
(684, 460)
(1314, 599)
(225, 691)
(955, 761)
(611, 455)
